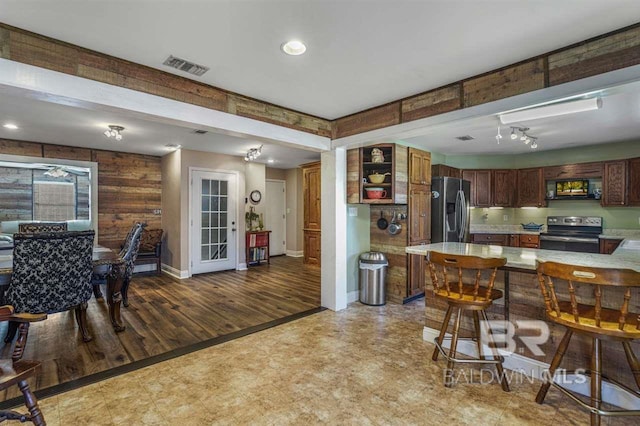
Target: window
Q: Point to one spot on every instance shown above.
(54, 201)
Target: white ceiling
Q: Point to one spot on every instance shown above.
(618, 120)
(360, 53)
(65, 125)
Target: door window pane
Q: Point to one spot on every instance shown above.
(223, 235)
(205, 236)
(205, 220)
(223, 220)
(223, 187)
(205, 186)
(205, 203)
(214, 204)
(204, 255)
(214, 236)
(214, 187)
(223, 251)
(223, 204)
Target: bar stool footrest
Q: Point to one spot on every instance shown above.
(492, 360)
(590, 408)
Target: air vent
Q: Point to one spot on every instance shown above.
(465, 138)
(199, 132)
(186, 66)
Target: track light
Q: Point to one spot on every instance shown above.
(253, 154)
(114, 132)
(524, 136)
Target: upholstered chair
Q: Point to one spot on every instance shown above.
(16, 371)
(151, 248)
(52, 273)
(37, 227)
(129, 253)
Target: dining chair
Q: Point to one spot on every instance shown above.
(129, 253)
(52, 273)
(16, 371)
(37, 227)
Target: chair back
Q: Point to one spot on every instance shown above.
(443, 267)
(51, 271)
(590, 299)
(129, 251)
(37, 227)
(149, 239)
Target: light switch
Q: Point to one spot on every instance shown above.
(288, 210)
(353, 211)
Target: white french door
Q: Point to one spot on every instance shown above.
(213, 221)
(275, 216)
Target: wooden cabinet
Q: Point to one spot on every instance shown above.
(609, 245)
(514, 240)
(419, 213)
(529, 241)
(503, 188)
(633, 195)
(311, 201)
(480, 187)
(417, 270)
(531, 190)
(419, 167)
(391, 167)
(447, 171)
(614, 183)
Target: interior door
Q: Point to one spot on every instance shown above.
(275, 216)
(213, 221)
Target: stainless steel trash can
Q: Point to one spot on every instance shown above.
(373, 273)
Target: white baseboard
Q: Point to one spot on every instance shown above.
(176, 273)
(611, 393)
(242, 267)
(295, 253)
(147, 267)
(353, 296)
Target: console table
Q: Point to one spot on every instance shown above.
(257, 247)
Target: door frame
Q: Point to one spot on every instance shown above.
(190, 201)
(284, 229)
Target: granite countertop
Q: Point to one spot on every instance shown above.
(620, 234)
(524, 258)
(502, 229)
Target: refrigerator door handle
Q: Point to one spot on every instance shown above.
(457, 215)
(460, 211)
(465, 217)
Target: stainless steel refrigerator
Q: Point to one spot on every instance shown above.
(450, 210)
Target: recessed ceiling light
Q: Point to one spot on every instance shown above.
(270, 160)
(173, 146)
(294, 48)
(10, 126)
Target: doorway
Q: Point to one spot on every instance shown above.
(213, 221)
(276, 215)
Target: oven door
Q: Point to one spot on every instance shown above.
(577, 244)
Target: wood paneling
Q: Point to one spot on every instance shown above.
(393, 247)
(16, 189)
(33, 49)
(353, 176)
(511, 81)
(129, 186)
(574, 171)
(435, 102)
(401, 171)
(633, 195)
(167, 314)
(596, 57)
(614, 183)
(376, 118)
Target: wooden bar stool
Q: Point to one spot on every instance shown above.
(566, 304)
(461, 296)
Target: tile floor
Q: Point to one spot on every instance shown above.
(365, 365)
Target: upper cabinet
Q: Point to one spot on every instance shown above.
(503, 186)
(531, 188)
(633, 196)
(378, 174)
(491, 188)
(447, 171)
(480, 187)
(419, 167)
(614, 183)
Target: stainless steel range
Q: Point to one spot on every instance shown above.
(572, 233)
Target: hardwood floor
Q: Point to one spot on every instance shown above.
(166, 314)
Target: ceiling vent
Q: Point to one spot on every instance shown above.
(199, 132)
(465, 138)
(186, 66)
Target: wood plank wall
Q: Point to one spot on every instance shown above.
(615, 50)
(129, 185)
(33, 49)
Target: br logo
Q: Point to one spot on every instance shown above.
(503, 334)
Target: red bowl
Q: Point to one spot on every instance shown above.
(375, 193)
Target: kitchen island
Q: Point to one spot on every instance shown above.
(523, 301)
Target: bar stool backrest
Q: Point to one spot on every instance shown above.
(441, 266)
(582, 308)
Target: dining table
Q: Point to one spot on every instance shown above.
(107, 264)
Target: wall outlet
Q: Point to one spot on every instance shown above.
(505, 218)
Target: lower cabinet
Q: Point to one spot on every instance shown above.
(417, 269)
(312, 247)
(491, 239)
(529, 241)
(609, 245)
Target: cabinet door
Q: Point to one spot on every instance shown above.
(608, 246)
(614, 183)
(470, 175)
(530, 188)
(483, 188)
(633, 196)
(417, 274)
(514, 240)
(529, 241)
(312, 247)
(419, 167)
(311, 178)
(419, 214)
(503, 188)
